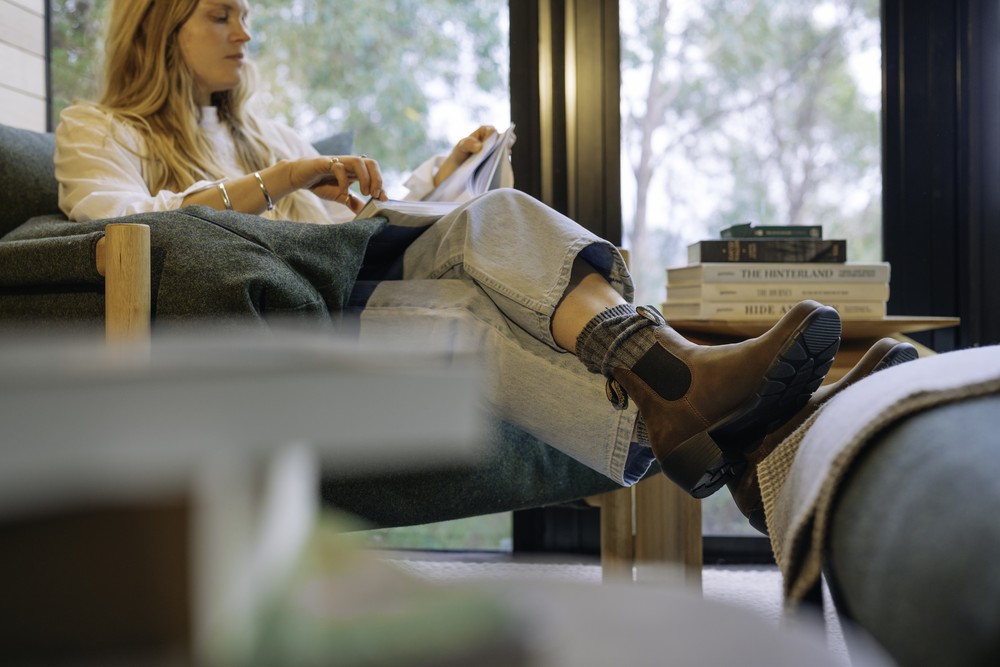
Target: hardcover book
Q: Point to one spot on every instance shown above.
(768, 250)
(765, 310)
(750, 230)
(778, 291)
(779, 272)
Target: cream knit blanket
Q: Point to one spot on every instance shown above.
(799, 480)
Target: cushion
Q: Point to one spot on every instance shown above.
(341, 143)
(912, 554)
(27, 176)
(205, 264)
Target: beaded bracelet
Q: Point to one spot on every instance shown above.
(263, 189)
(225, 196)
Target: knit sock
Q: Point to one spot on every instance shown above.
(617, 337)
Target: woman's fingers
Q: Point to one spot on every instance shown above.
(338, 169)
(337, 173)
(471, 144)
(483, 132)
(370, 177)
(354, 203)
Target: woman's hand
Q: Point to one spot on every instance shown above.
(466, 147)
(330, 177)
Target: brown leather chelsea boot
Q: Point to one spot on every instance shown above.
(706, 407)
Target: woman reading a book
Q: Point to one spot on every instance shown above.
(549, 300)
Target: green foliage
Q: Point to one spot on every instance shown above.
(75, 49)
(378, 68)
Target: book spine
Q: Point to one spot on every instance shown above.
(779, 272)
(768, 250)
(766, 310)
(772, 231)
(747, 291)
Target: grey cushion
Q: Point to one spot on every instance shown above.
(341, 143)
(206, 264)
(27, 176)
(912, 555)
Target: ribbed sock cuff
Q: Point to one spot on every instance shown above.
(600, 333)
(616, 338)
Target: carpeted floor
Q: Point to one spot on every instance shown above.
(757, 588)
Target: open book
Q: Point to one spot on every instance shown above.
(407, 212)
(486, 170)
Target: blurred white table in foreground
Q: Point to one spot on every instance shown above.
(224, 436)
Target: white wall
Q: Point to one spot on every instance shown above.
(22, 63)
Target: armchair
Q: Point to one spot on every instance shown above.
(181, 266)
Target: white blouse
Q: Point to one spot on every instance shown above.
(101, 175)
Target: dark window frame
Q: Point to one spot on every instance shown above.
(941, 165)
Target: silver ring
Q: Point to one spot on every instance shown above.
(363, 156)
(333, 161)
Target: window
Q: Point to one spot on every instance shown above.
(749, 111)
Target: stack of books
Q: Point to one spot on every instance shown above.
(759, 272)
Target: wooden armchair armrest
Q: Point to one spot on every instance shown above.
(123, 260)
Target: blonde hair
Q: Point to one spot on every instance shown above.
(148, 86)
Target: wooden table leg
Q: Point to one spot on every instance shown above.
(617, 539)
(668, 541)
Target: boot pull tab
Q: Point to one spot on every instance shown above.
(651, 314)
(616, 394)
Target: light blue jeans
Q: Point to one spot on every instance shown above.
(488, 276)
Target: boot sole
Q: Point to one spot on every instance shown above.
(898, 354)
(892, 354)
(705, 462)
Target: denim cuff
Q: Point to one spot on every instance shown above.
(637, 463)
